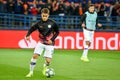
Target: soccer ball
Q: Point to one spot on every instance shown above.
(49, 72)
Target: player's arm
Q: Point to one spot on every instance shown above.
(33, 28)
(98, 24)
(83, 17)
(56, 32)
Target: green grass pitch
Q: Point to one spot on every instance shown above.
(103, 65)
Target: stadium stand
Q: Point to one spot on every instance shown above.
(17, 21)
(21, 14)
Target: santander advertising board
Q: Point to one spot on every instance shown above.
(102, 41)
(65, 40)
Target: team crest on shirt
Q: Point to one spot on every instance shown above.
(49, 26)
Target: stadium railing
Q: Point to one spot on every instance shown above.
(17, 21)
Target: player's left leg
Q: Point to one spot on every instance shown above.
(88, 36)
(49, 49)
(46, 64)
(86, 45)
(85, 51)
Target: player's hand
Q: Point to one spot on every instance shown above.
(99, 25)
(83, 25)
(49, 41)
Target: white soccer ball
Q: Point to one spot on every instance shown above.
(50, 72)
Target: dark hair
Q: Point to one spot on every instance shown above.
(91, 5)
(45, 10)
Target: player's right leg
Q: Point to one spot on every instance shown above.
(32, 65)
(37, 52)
(85, 52)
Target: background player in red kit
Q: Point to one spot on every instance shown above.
(48, 31)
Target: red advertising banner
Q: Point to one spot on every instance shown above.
(66, 40)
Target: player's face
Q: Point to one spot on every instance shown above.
(91, 9)
(45, 16)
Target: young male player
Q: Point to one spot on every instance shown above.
(88, 21)
(48, 31)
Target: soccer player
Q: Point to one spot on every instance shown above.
(48, 31)
(89, 21)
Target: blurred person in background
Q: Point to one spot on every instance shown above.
(3, 9)
(88, 22)
(55, 5)
(76, 9)
(18, 7)
(114, 14)
(48, 5)
(61, 8)
(3, 6)
(84, 6)
(25, 8)
(71, 9)
(102, 9)
(80, 10)
(10, 6)
(34, 10)
(102, 13)
(40, 5)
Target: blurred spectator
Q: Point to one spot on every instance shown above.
(10, 6)
(30, 3)
(114, 14)
(102, 9)
(32, 8)
(89, 2)
(49, 6)
(55, 5)
(97, 6)
(111, 7)
(3, 9)
(118, 10)
(25, 8)
(80, 10)
(18, 8)
(71, 9)
(67, 7)
(67, 4)
(76, 11)
(3, 6)
(84, 6)
(61, 8)
(114, 11)
(40, 6)
(107, 11)
(101, 13)
(34, 11)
